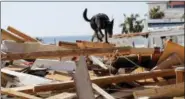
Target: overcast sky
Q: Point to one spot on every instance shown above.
(63, 18)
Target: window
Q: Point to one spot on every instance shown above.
(178, 6)
(168, 6)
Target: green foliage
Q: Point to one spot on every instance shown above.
(155, 13)
(131, 24)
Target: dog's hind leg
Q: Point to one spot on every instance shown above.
(92, 39)
(95, 35)
(100, 38)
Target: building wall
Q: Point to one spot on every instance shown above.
(170, 12)
(173, 16)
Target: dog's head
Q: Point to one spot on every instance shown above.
(110, 28)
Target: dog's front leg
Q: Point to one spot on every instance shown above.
(106, 40)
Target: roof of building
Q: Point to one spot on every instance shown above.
(157, 2)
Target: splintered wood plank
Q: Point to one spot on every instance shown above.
(68, 44)
(82, 80)
(182, 97)
(8, 36)
(59, 77)
(17, 94)
(5, 78)
(15, 68)
(102, 92)
(102, 81)
(126, 93)
(30, 47)
(97, 61)
(170, 48)
(86, 44)
(26, 79)
(130, 35)
(21, 34)
(76, 52)
(164, 91)
(25, 89)
(64, 95)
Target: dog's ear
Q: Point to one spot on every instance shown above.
(112, 22)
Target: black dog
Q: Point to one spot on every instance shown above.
(98, 22)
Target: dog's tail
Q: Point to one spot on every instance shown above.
(85, 15)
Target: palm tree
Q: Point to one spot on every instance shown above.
(155, 13)
(131, 24)
(138, 27)
(124, 28)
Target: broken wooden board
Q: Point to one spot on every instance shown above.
(26, 79)
(21, 34)
(8, 36)
(17, 94)
(130, 35)
(102, 81)
(25, 89)
(5, 78)
(17, 68)
(63, 95)
(68, 45)
(179, 74)
(82, 80)
(54, 65)
(14, 47)
(86, 44)
(75, 52)
(164, 91)
(182, 97)
(98, 62)
(172, 60)
(58, 77)
(62, 76)
(170, 48)
(102, 92)
(126, 93)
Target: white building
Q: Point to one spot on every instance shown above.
(173, 12)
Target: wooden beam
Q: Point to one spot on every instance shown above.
(23, 78)
(101, 81)
(102, 92)
(97, 61)
(17, 94)
(164, 91)
(8, 36)
(130, 35)
(82, 80)
(170, 48)
(86, 44)
(172, 60)
(76, 52)
(179, 74)
(30, 47)
(68, 45)
(181, 97)
(21, 34)
(63, 96)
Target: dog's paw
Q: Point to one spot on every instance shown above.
(107, 42)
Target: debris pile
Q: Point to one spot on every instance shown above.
(88, 70)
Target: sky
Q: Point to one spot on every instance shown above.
(64, 18)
